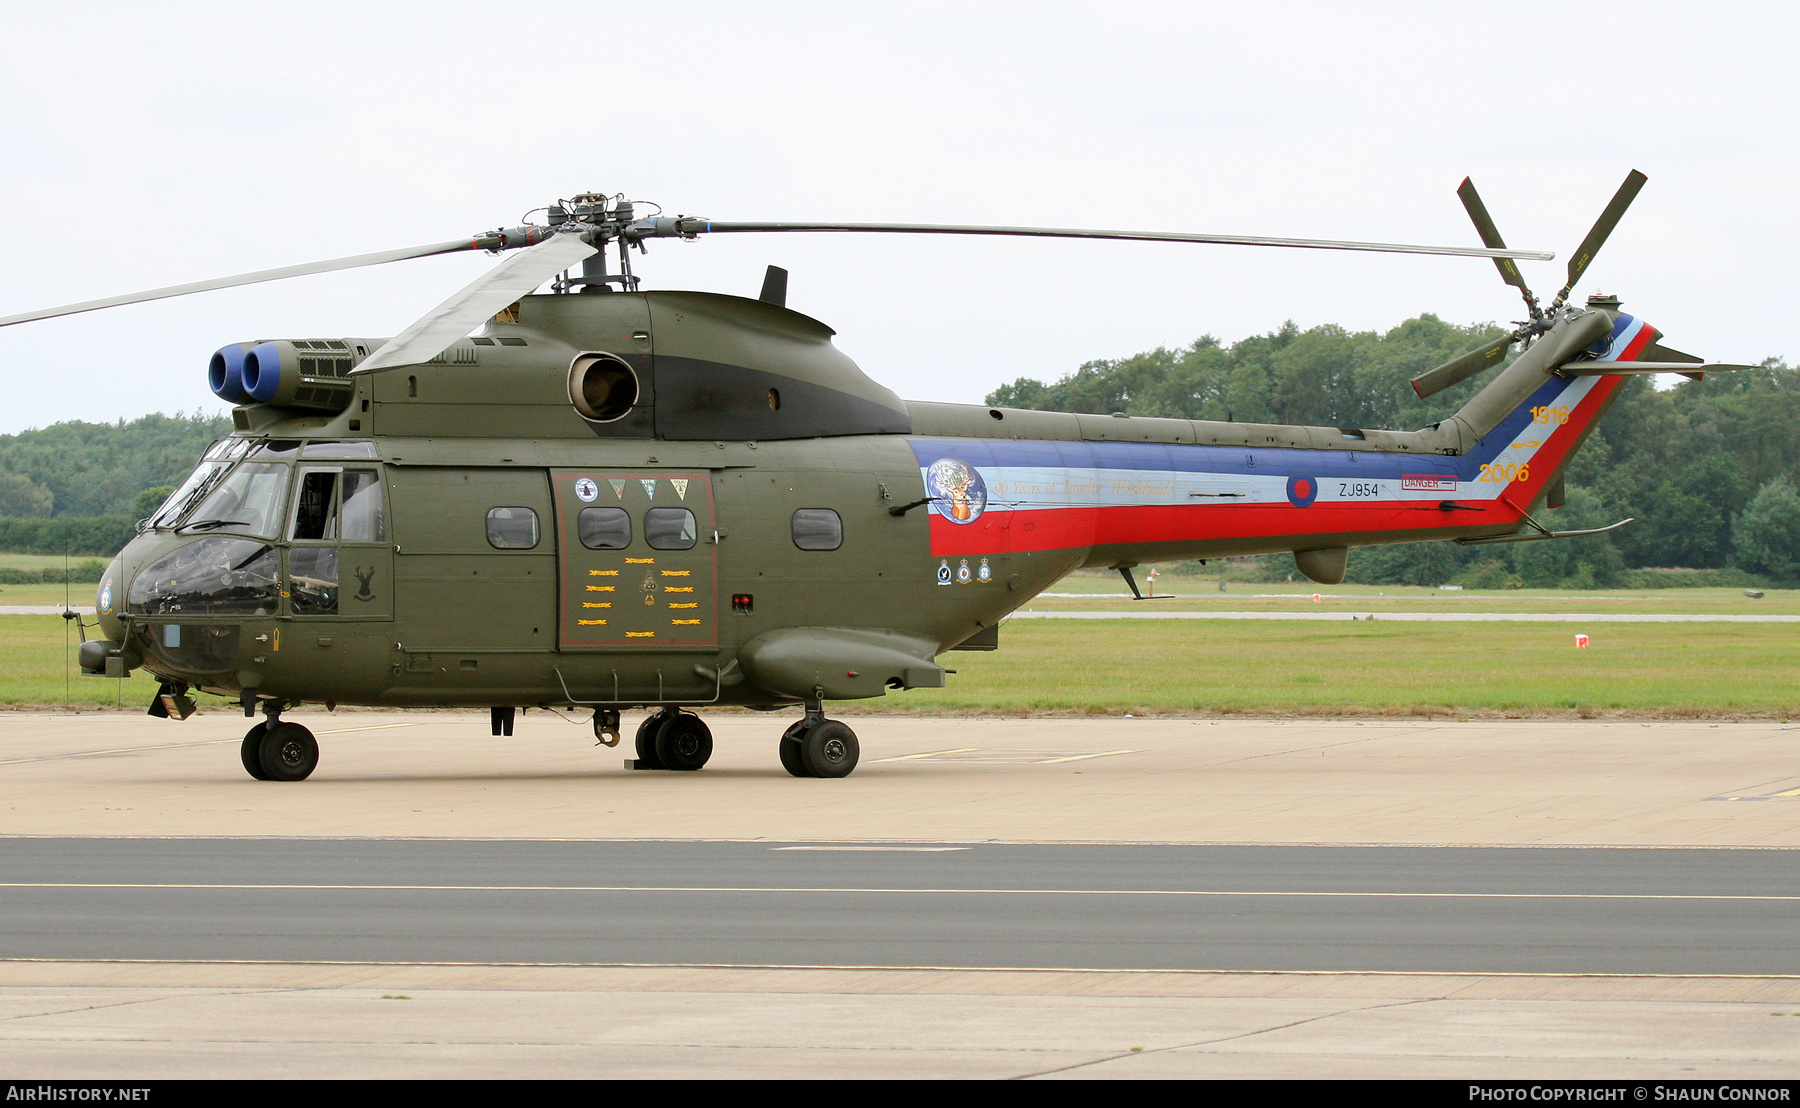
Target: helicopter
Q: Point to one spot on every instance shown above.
(605, 498)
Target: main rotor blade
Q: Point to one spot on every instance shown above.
(703, 226)
(258, 277)
(1490, 236)
(1457, 370)
(1584, 254)
(433, 332)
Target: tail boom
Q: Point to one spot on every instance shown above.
(1124, 502)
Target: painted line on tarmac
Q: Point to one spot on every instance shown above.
(1417, 617)
(868, 968)
(868, 891)
(178, 746)
(874, 849)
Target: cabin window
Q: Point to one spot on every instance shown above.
(604, 528)
(670, 529)
(817, 529)
(512, 528)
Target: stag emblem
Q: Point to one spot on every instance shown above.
(363, 577)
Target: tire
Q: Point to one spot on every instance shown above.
(251, 752)
(791, 758)
(684, 743)
(830, 750)
(288, 752)
(646, 742)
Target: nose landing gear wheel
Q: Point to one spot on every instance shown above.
(684, 742)
(251, 752)
(287, 752)
(830, 749)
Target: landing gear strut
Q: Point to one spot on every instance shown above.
(819, 747)
(278, 751)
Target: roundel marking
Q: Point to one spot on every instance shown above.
(1302, 490)
(586, 490)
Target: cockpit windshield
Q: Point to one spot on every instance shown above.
(219, 459)
(246, 501)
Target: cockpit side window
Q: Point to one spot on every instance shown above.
(363, 519)
(335, 505)
(315, 506)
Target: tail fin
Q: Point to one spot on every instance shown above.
(1525, 426)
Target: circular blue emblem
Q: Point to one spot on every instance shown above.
(586, 490)
(1302, 490)
(106, 597)
(956, 489)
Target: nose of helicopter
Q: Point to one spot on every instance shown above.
(109, 601)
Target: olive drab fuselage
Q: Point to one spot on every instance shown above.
(672, 498)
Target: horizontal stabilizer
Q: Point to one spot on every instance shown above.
(1687, 369)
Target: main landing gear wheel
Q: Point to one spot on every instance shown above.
(287, 752)
(683, 742)
(646, 741)
(819, 748)
(251, 752)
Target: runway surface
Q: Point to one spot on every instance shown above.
(1395, 910)
(1419, 617)
(983, 898)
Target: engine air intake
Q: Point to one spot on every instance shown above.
(602, 386)
(288, 373)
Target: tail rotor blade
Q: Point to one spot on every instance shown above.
(1490, 237)
(1584, 254)
(1457, 370)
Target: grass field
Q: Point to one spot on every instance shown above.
(1248, 667)
(1109, 594)
(80, 595)
(37, 667)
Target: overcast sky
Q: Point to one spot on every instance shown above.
(150, 144)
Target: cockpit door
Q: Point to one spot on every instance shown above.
(340, 561)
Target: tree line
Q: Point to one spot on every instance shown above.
(1707, 469)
